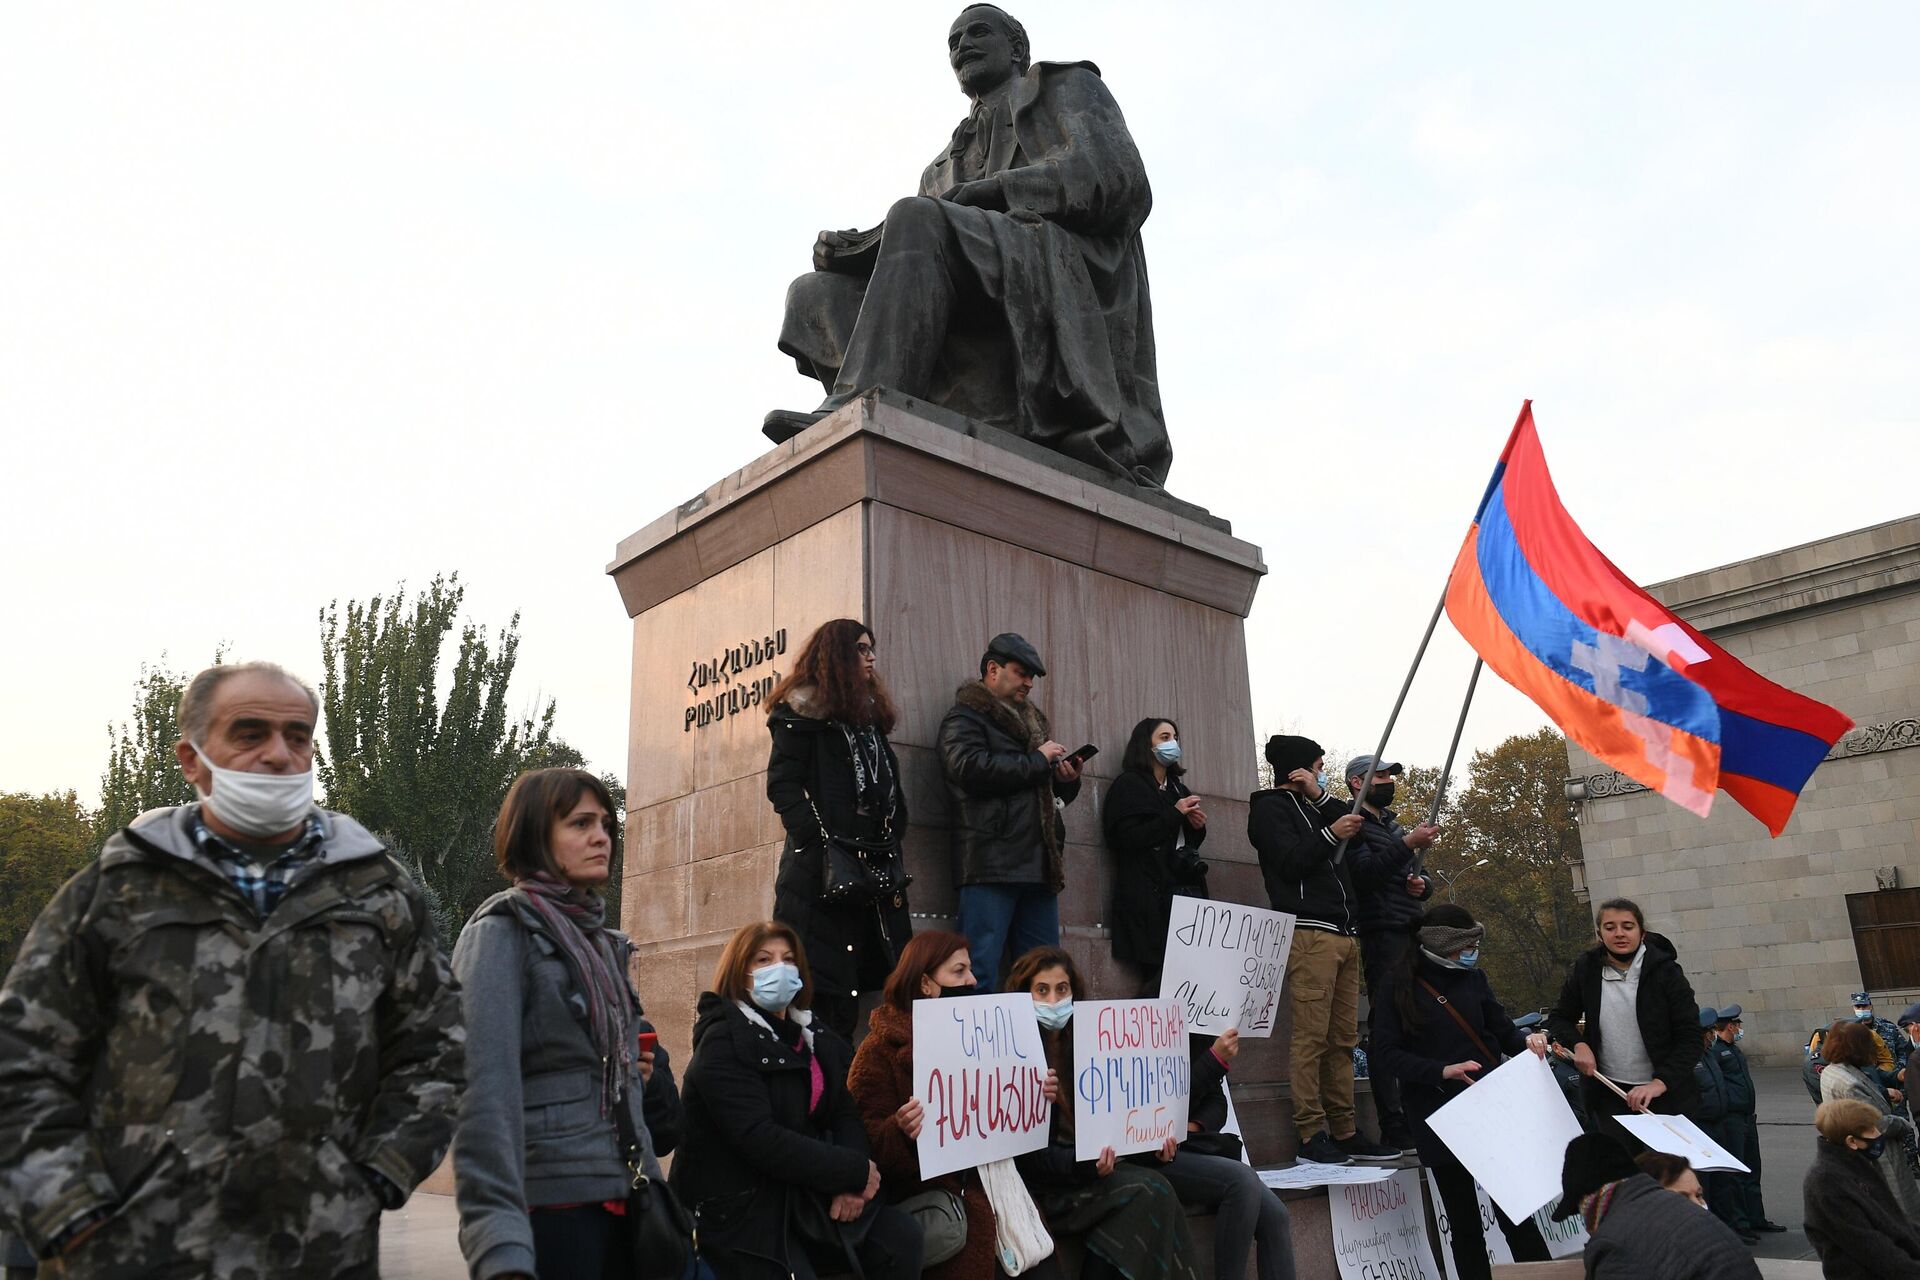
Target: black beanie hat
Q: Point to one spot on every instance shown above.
(1593, 1160)
(1285, 753)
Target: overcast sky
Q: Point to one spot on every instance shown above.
(301, 302)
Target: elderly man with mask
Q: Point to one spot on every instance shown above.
(231, 1040)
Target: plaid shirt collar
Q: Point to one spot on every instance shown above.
(262, 882)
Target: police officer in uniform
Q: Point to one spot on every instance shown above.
(1742, 1125)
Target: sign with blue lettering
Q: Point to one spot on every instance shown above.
(1132, 1077)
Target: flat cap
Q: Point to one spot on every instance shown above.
(1008, 647)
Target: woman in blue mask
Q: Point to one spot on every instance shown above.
(1154, 826)
(1853, 1221)
(774, 1160)
(1438, 1028)
(1128, 1214)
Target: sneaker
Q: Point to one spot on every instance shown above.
(1396, 1132)
(1361, 1148)
(1320, 1149)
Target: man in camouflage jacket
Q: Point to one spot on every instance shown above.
(224, 1052)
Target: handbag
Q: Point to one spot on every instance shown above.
(857, 871)
(1202, 1142)
(665, 1241)
(942, 1216)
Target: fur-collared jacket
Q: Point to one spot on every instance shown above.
(1005, 798)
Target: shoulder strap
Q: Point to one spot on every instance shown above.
(1492, 1058)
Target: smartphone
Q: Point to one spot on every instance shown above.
(1083, 755)
(649, 1041)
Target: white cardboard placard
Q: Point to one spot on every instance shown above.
(1679, 1136)
(1380, 1229)
(1225, 963)
(1511, 1129)
(1304, 1173)
(1132, 1076)
(980, 1073)
(1498, 1250)
(1566, 1236)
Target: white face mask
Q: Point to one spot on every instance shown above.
(257, 804)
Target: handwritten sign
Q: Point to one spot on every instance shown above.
(1132, 1077)
(1565, 1237)
(981, 1074)
(1520, 1096)
(1679, 1136)
(1305, 1173)
(1225, 963)
(1380, 1230)
(1497, 1248)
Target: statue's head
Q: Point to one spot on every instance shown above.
(987, 47)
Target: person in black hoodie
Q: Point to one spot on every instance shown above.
(1642, 1027)
(832, 773)
(1437, 1028)
(774, 1161)
(1154, 826)
(1300, 833)
(1853, 1221)
(1385, 857)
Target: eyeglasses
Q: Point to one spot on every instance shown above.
(864, 650)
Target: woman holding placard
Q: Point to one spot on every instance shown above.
(1438, 1028)
(774, 1162)
(1155, 827)
(952, 1209)
(1129, 1214)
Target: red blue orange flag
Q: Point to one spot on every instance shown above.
(1613, 667)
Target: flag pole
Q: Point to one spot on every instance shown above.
(1398, 702)
(1453, 748)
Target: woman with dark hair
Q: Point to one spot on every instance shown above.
(1131, 1217)
(1849, 1051)
(952, 1208)
(775, 1164)
(1853, 1221)
(1437, 1027)
(1673, 1173)
(833, 776)
(1155, 827)
(554, 1068)
(1627, 1012)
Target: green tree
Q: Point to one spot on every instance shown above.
(44, 839)
(142, 772)
(1513, 815)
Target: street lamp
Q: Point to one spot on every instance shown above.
(1453, 879)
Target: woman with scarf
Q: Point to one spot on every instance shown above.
(1129, 1214)
(1154, 826)
(774, 1163)
(1638, 1229)
(1438, 1028)
(833, 776)
(1848, 1050)
(1853, 1221)
(556, 1080)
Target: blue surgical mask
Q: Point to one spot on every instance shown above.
(1468, 959)
(775, 986)
(1320, 779)
(1875, 1148)
(1053, 1016)
(1167, 752)
(1739, 1035)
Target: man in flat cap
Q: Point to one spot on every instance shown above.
(1385, 860)
(1007, 781)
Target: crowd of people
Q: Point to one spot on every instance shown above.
(232, 1040)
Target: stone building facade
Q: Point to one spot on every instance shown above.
(1788, 927)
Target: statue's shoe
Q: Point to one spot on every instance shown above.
(783, 425)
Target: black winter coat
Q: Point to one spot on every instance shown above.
(1738, 1079)
(1294, 838)
(1668, 1017)
(1142, 827)
(1380, 862)
(849, 948)
(1207, 1101)
(751, 1148)
(1001, 792)
(1436, 1041)
(1853, 1221)
(1649, 1233)
(1709, 1109)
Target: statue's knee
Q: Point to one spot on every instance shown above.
(914, 217)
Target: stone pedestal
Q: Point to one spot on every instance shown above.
(938, 533)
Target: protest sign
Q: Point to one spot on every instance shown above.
(1565, 1237)
(1132, 1076)
(1305, 1173)
(1225, 963)
(980, 1072)
(1380, 1230)
(1679, 1136)
(1498, 1250)
(1511, 1130)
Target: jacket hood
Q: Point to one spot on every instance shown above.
(171, 831)
(892, 1027)
(710, 1014)
(801, 709)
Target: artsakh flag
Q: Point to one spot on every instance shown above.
(1619, 673)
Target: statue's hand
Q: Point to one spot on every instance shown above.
(829, 244)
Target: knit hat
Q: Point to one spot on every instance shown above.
(1286, 752)
(1592, 1161)
(1444, 940)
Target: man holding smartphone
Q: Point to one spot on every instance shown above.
(1007, 781)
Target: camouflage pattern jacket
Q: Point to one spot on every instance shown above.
(212, 1079)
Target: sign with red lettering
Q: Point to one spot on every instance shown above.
(980, 1073)
(1132, 1077)
(1225, 963)
(1380, 1229)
